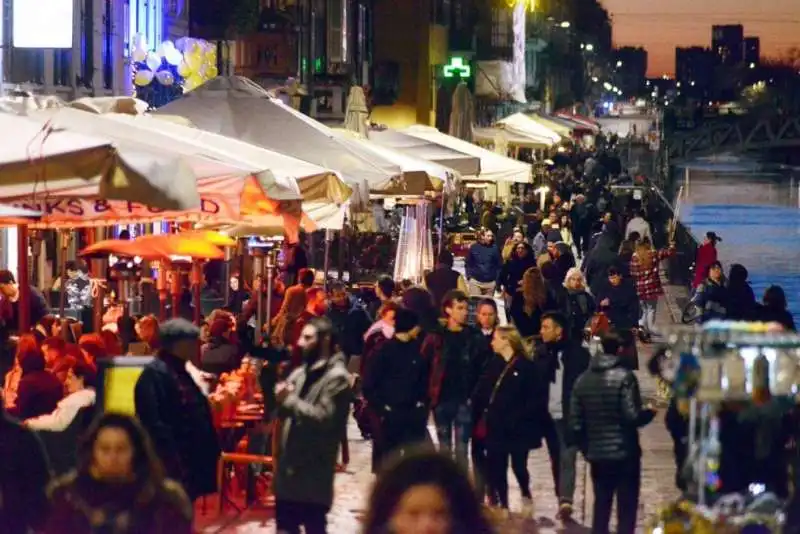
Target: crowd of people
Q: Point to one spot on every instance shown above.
(578, 282)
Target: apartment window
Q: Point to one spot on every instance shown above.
(502, 28)
(440, 12)
(62, 66)
(87, 44)
(108, 46)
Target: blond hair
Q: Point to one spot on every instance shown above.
(518, 345)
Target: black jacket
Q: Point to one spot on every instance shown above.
(606, 412)
(574, 358)
(516, 416)
(350, 323)
(623, 308)
(396, 376)
(219, 356)
(177, 416)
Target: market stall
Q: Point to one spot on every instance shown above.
(734, 384)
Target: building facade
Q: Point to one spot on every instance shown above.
(630, 69)
(752, 51)
(727, 42)
(98, 62)
(694, 71)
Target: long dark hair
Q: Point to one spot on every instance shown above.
(147, 468)
(426, 467)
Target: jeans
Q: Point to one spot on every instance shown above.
(581, 239)
(497, 456)
(648, 319)
(290, 516)
(454, 418)
(566, 465)
(623, 479)
(481, 289)
(553, 441)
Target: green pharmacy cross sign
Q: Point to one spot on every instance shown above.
(457, 68)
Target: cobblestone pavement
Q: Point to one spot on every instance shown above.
(353, 485)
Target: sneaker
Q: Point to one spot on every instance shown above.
(565, 512)
(527, 507)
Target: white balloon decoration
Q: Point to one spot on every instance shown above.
(153, 61)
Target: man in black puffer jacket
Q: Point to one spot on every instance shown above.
(604, 419)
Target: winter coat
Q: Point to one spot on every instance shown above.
(600, 259)
(61, 430)
(578, 307)
(623, 308)
(712, 301)
(455, 360)
(706, 255)
(79, 504)
(572, 360)
(483, 263)
(515, 417)
(219, 356)
(314, 424)
(606, 411)
(512, 272)
(176, 414)
(350, 323)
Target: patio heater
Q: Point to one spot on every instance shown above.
(414, 246)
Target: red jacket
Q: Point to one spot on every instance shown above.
(706, 255)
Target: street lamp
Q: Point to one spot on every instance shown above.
(619, 63)
(594, 79)
(565, 24)
(590, 47)
(606, 86)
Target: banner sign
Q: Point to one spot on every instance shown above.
(74, 211)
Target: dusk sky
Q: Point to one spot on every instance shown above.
(661, 26)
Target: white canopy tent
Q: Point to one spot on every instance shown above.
(494, 167)
(40, 159)
(522, 126)
(238, 108)
(414, 169)
(418, 147)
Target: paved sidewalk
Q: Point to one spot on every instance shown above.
(353, 486)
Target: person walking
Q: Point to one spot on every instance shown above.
(605, 415)
(644, 268)
(456, 355)
(444, 278)
(396, 387)
(483, 266)
(313, 403)
(566, 360)
(175, 411)
(508, 415)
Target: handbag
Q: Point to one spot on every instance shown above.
(599, 324)
(481, 429)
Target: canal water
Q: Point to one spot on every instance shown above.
(755, 210)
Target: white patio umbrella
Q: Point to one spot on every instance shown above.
(356, 112)
(38, 158)
(236, 107)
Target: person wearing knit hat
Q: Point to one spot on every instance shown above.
(396, 387)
